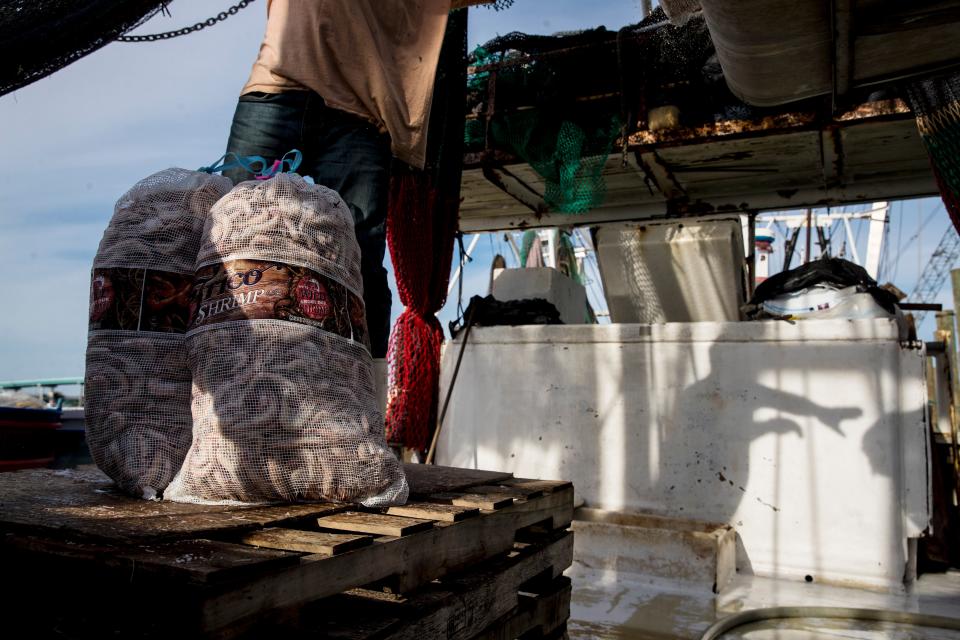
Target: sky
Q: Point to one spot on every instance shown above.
(75, 141)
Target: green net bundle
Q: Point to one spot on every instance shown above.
(562, 103)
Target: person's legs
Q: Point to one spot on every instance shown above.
(342, 152)
(267, 125)
(349, 155)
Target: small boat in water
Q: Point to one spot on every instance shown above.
(28, 437)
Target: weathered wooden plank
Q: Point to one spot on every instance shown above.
(181, 562)
(544, 486)
(374, 523)
(485, 600)
(477, 500)
(82, 504)
(538, 615)
(433, 511)
(426, 479)
(307, 541)
(413, 560)
(770, 163)
(518, 493)
(208, 561)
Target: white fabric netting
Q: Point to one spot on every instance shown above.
(287, 220)
(284, 410)
(137, 382)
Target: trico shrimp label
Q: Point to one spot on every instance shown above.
(133, 299)
(262, 289)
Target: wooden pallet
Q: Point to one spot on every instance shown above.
(217, 570)
(521, 593)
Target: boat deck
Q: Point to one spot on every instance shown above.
(608, 605)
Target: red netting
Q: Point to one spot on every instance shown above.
(421, 224)
(420, 235)
(936, 103)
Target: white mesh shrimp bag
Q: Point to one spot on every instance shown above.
(284, 403)
(137, 383)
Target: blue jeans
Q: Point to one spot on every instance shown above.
(340, 151)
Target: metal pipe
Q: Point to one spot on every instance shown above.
(513, 246)
(463, 260)
(851, 240)
(790, 249)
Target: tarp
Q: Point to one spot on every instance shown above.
(832, 271)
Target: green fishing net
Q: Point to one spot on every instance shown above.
(560, 103)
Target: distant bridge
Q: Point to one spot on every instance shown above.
(40, 382)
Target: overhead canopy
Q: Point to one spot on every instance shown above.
(794, 160)
(686, 145)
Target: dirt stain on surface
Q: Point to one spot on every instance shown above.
(767, 504)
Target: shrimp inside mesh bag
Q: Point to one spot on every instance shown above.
(284, 402)
(137, 383)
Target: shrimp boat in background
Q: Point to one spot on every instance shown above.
(722, 463)
(42, 430)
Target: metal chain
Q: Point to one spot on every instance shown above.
(209, 22)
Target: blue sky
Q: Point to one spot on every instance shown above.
(74, 142)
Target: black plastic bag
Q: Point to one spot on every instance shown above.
(490, 312)
(834, 271)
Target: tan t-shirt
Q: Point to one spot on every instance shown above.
(373, 58)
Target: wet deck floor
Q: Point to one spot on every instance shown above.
(607, 606)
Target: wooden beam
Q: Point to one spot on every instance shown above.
(831, 157)
(862, 192)
(374, 523)
(841, 18)
(197, 562)
(327, 544)
(519, 493)
(415, 560)
(429, 510)
(427, 479)
(652, 166)
(485, 602)
(476, 500)
(503, 179)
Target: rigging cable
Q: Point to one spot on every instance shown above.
(896, 264)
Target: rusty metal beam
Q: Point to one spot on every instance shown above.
(669, 192)
(862, 192)
(831, 156)
(656, 171)
(769, 125)
(841, 18)
(503, 179)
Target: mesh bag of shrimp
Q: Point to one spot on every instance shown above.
(284, 400)
(137, 382)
